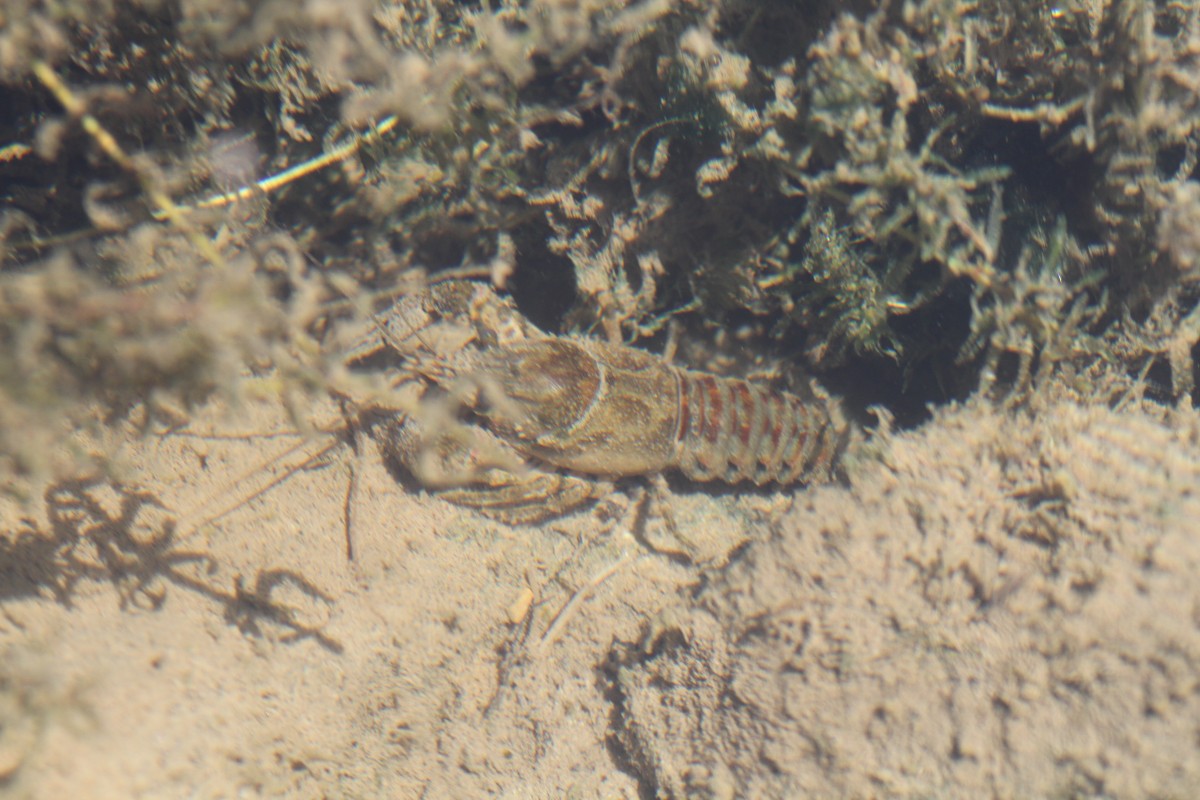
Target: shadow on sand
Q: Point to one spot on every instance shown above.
(101, 531)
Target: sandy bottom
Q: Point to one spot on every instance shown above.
(996, 606)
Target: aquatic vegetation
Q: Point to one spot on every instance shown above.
(861, 189)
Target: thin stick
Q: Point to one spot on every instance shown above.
(294, 458)
(571, 607)
(281, 179)
(166, 207)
